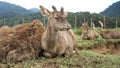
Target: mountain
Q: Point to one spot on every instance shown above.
(34, 10)
(8, 10)
(113, 10)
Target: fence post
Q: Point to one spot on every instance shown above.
(91, 22)
(75, 21)
(4, 22)
(116, 23)
(22, 20)
(104, 26)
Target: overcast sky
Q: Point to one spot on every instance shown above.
(69, 5)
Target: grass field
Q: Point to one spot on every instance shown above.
(84, 58)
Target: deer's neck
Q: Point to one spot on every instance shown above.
(51, 35)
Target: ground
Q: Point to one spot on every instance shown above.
(97, 53)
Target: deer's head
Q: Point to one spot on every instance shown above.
(85, 26)
(56, 19)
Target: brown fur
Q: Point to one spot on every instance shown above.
(4, 48)
(24, 44)
(110, 34)
(58, 39)
(88, 33)
(5, 31)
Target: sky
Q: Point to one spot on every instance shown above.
(92, 6)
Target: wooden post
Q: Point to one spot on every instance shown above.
(75, 21)
(84, 20)
(22, 20)
(104, 26)
(80, 23)
(91, 22)
(4, 22)
(116, 24)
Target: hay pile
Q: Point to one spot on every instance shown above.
(24, 42)
(5, 31)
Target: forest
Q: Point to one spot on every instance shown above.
(75, 19)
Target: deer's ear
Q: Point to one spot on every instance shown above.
(63, 13)
(44, 11)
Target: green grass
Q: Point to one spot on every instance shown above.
(100, 61)
(89, 43)
(84, 58)
(92, 43)
(117, 29)
(77, 31)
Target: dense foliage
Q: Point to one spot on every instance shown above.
(75, 19)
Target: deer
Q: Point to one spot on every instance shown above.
(110, 34)
(88, 33)
(58, 39)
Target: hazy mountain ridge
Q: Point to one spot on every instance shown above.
(34, 10)
(113, 10)
(8, 10)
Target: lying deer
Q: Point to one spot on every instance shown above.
(88, 33)
(110, 34)
(58, 39)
